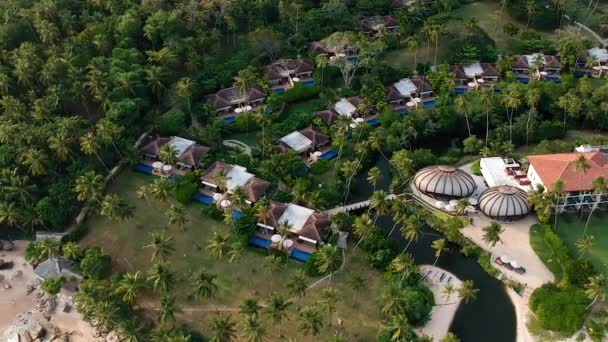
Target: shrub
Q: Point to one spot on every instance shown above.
(311, 265)
(476, 168)
(418, 302)
(53, 286)
(213, 212)
(245, 225)
(560, 309)
(172, 122)
(320, 167)
(296, 94)
(579, 271)
(95, 264)
(186, 188)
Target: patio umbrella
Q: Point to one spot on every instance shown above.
(359, 120)
(481, 80)
(317, 153)
(225, 203)
(287, 243)
(248, 108)
(217, 196)
(157, 165)
(514, 263)
(417, 99)
(353, 125)
(238, 110)
(505, 258)
(454, 202)
(440, 204)
(544, 73)
(450, 207)
(167, 168)
(296, 79)
(472, 84)
(596, 68)
(275, 238)
(470, 209)
(473, 201)
(410, 104)
(604, 67)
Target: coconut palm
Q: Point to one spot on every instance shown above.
(363, 227)
(532, 97)
(183, 90)
(130, 330)
(486, 98)
(412, 45)
(356, 283)
(462, 205)
(130, 286)
(108, 131)
(439, 247)
(328, 259)
(511, 100)
(584, 244)
(273, 264)
(581, 165)
(447, 291)
(49, 248)
(250, 307)
(491, 234)
(219, 245)
(168, 154)
(467, 291)
(160, 189)
(379, 203)
(168, 309)
(89, 187)
(321, 60)
(59, 144)
(238, 198)
(253, 331)
(114, 207)
(462, 106)
(411, 230)
(600, 187)
(204, 283)
(403, 264)
(310, 321)
(399, 214)
(596, 288)
(10, 214)
(570, 104)
(36, 161)
(236, 251)
(557, 194)
(374, 176)
(161, 245)
(177, 216)
(89, 146)
(276, 308)
(329, 299)
(297, 284)
(161, 277)
(222, 329)
(349, 169)
(400, 329)
(261, 210)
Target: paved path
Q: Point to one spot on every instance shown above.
(603, 42)
(238, 145)
(445, 308)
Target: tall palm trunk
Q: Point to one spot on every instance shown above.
(487, 126)
(101, 161)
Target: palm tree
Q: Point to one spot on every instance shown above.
(49, 248)
(491, 234)
(222, 329)
(448, 290)
(467, 291)
(599, 189)
(363, 227)
(108, 131)
(412, 230)
(357, 283)
(236, 251)
(557, 193)
(584, 244)
(321, 61)
(379, 203)
(511, 101)
(261, 210)
(349, 170)
(399, 214)
(400, 329)
(462, 106)
(183, 89)
(487, 101)
(530, 10)
(462, 205)
(60, 145)
(532, 96)
(253, 331)
(89, 145)
(403, 264)
(114, 207)
(273, 264)
(161, 245)
(161, 277)
(130, 286)
(36, 161)
(204, 284)
(10, 214)
(160, 188)
(71, 250)
(412, 45)
(89, 187)
(581, 166)
(277, 309)
(168, 154)
(374, 176)
(328, 259)
(168, 309)
(596, 288)
(177, 216)
(297, 284)
(250, 307)
(310, 321)
(329, 299)
(435, 34)
(570, 104)
(439, 247)
(131, 330)
(219, 245)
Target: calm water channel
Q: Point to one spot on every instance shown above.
(491, 317)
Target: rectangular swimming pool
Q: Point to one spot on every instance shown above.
(299, 255)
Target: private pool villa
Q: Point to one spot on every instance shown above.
(348, 107)
(222, 179)
(409, 93)
(473, 76)
(310, 143)
(537, 67)
(231, 102)
(305, 230)
(189, 154)
(286, 73)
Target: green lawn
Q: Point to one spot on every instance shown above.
(249, 138)
(570, 228)
(124, 241)
(308, 106)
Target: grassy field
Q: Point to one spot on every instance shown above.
(544, 251)
(307, 106)
(249, 138)
(570, 228)
(125, 242)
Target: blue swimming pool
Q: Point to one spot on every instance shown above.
(279, 90)
(523, 79)
(230, 119)
(403, 111)
(237, 214)
(143, 168)
(259, 242)
(461, 90)
(309, 83)
(329, 155)
(428, 103)
(374, 122)
(203, 199)
(299, 255)
(554, 79)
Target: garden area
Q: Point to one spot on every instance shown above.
(570, 228)
(247, 277)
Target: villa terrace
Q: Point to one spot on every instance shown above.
(599, 58)
(348, 107)
(407, 94)
(222, 179)
(320, 48)
(228, 103)
(310, 143)
(474, 76)
(537, 66)
(189, 155)
(286, 73)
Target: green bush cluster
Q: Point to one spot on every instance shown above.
(186, 188)
(561, 309)
(296, 94)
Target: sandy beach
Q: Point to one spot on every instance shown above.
(445, 308)
(15, 301)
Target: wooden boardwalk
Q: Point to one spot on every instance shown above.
(354, 206)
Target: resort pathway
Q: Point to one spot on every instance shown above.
(603, 42)
(354, 206)
(516, 245)
(238, 145)
(331, 274)
(445, 307)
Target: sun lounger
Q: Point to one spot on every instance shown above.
(442, 276)
(520, 270)
(449, 279)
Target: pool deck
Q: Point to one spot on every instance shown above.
(445, 309)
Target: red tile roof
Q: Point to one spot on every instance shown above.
(551, 167)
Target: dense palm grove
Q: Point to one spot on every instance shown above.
(80, 81)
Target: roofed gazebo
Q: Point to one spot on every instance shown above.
(444, 182)
(504, 203)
